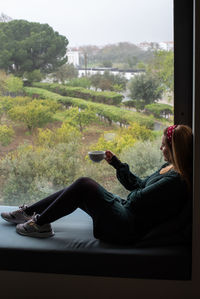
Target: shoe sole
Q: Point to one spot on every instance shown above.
(13, 221)
(36, 235)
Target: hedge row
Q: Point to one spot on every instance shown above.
(159, 109)
(106, 97)
(108, 112)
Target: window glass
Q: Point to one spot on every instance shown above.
(87, 76)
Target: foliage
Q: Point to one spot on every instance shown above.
(14, 84)
(108, 81)
(124, 53)
(35, 114)
(10, 85)
(34, 76)
(28, 46)
(65, 72)
(105, 112)
(6, 135)
(129, 103)
(3, 86)
(145, 87)
(35, 172)
(80, 118)
(116, 145)
(111, 98)
(159, 109)
(5, 18)
(162, 66)
(107, 63)
(140, 132)
(50, 138)
(144, 157)
(8, 102)
(80, 82)
(122, 139)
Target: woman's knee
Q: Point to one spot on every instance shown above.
(84, 181)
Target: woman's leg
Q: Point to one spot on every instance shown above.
(41, 205)
(84, 193)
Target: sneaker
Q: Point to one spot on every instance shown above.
(18, 216)
(32, 229)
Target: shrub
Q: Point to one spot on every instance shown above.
(32, 173)
(106, 97)
(159, 110)
(119, 140)
(144, 157)
(6, 135)
(49, 138)
(35, 114)
(80, 118)
(107, 112)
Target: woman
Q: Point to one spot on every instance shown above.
(151, 201)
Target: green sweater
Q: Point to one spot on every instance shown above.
(153, 200)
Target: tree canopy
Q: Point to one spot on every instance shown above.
(28, 46)
(162, 66)
(145, 89)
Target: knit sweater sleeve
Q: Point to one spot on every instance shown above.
(129, 180)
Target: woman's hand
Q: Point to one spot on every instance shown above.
(108, 156)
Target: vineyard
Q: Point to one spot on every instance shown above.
(45, 135)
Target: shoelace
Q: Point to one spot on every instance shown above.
(33, 219)
(23, 207)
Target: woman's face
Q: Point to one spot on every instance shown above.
(165, 149)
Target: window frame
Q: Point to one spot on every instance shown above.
(187, 104)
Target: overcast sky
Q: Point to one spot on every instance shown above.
(98, 22)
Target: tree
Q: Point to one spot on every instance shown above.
(14, 85)
(10, 84)
(145, 87)
(107, 63)
(65, 72)
(34, 76)
(108, 81)
(35, 114)
(162, 66)
(95, 80)
(84, 82)
(28, 46)
(80, 118)
(5, 18)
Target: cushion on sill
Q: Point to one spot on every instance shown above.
(74, 250)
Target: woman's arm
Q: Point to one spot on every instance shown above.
(124, 175)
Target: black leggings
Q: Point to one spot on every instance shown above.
(112, 221)
(84, 193)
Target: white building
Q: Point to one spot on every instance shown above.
(169, 45)
(73, 57)
(166, 46)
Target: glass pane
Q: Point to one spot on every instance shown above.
(93, 76)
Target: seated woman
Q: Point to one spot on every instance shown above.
(151, 201)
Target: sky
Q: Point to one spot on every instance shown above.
(92, 22)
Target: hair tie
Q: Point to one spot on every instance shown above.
(170, 131)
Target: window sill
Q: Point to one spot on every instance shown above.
(74, 250)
